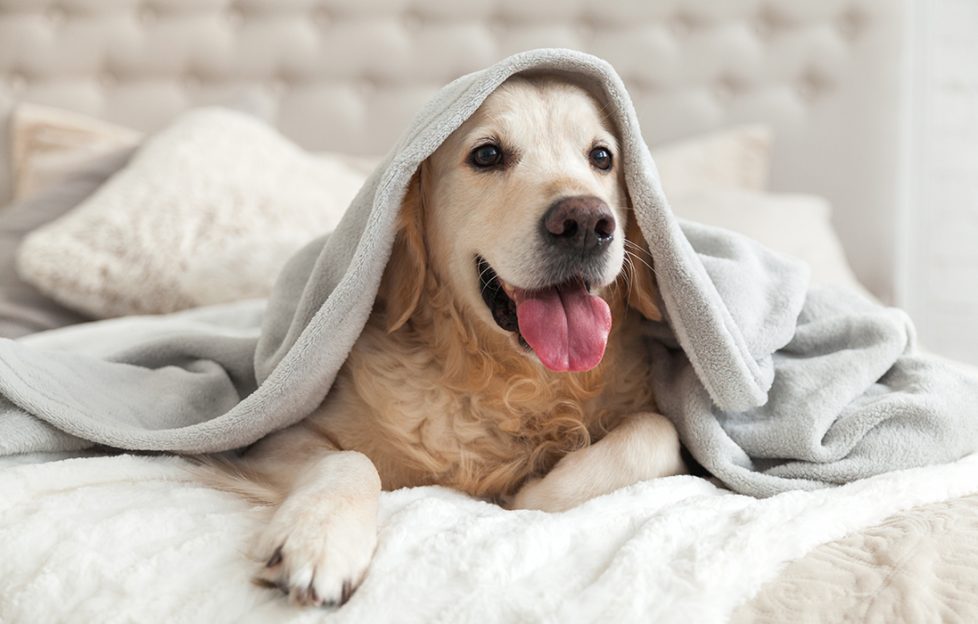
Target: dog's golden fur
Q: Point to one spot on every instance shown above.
(434, 392)
(477, 414)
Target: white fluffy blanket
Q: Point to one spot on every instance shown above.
(132, 539)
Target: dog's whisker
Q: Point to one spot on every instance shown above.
(629, 274)
(482, 275)
(633, 245)
(637, 256)
(483, 281)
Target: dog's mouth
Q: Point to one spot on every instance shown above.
(564, 324)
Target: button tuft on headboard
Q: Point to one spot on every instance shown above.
(367, 85)
(147, 14)
(812, 84)
(56, 15)
(107, 79)
(681, 24)
(322, 16)
(413, 21)
(763, 27)
(235, 16)
(277, 86)
(17, 81)
(769, 20)
(851, 23)
(725, 88)
(499, 24)
(192, 81)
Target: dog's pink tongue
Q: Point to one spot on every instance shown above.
(566, 326)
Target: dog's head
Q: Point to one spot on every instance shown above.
(522, 213)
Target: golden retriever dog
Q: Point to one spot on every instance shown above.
(503, 356)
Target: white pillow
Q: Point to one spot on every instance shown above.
(738, 158)
(179, 228)
(793, 224)
(207, 211)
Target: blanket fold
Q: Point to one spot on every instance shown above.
(773, 386)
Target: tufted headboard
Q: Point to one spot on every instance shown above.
(349, 74)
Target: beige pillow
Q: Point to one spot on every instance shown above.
(177, 228)
(738, 158)
(48, 145)
(793, 224)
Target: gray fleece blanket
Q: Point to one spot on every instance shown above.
(772, 386)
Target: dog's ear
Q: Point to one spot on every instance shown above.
(640, 280)
(405, 275)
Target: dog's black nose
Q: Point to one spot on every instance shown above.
(581, 224)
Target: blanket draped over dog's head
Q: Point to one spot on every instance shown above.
(772, 386)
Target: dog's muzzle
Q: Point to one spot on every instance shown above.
(578, 226)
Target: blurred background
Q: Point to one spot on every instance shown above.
(937, 269)
(809, 124)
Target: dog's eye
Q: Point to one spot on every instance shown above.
(601, 158)
(486, 156)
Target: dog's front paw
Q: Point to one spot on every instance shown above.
(646, 446)
(318, 552)
(549, 495)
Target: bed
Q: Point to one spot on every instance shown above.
(133, 538)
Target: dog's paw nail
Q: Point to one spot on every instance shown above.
(275, 559)
(265, 583)
(314, 597)
(346, 592)
(317, 558)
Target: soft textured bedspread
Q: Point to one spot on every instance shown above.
(133, 539)
(917, 566)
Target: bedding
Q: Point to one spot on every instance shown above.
(916, 566)
(128, 538)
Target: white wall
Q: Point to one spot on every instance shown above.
(940, 225)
